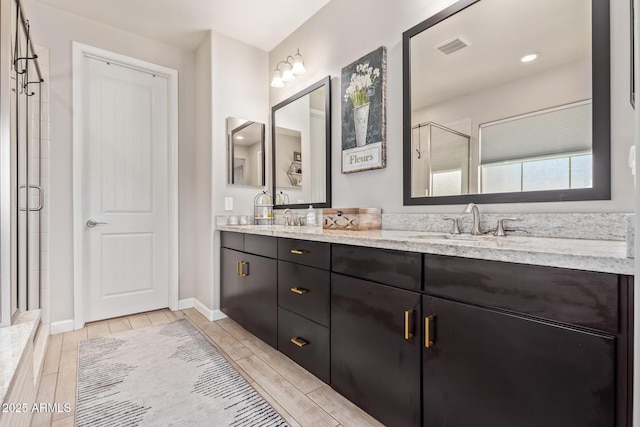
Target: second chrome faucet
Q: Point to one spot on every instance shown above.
(472, 208)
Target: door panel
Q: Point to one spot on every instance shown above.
(492, 369)
(118, 249)
(249, 293)
(125, 191)
(260, 297)
(372, 362)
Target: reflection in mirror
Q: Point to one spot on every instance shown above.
(440, 161)
(245, 152)
(483, 123)
(301, 144)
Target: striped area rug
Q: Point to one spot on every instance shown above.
(167, 375)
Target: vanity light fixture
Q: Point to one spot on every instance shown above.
(292, 67)
(287, 73)
(530, 57)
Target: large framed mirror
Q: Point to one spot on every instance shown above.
(508, 101)
(301, 135)
(245, 152)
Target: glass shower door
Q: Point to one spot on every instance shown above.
(29, 196)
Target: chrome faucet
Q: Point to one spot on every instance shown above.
(288, 220)
(292, 218)
(473, 208)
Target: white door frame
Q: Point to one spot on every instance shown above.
(79, 52)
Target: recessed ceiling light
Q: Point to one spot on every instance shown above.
(239, 137)
(530, 57)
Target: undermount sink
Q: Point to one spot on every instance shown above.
(463, 239)
(454, 237)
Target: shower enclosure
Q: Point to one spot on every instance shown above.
(27, 198)
(440, 161)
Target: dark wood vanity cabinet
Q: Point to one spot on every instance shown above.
(375, 337)
(248, 290)
(518, 345)
(434, 341)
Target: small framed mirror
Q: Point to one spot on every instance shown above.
(508, 101)
(301, 135)
(245, 152)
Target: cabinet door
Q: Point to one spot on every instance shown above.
(488, 368)
(373, 362)
(230, 286)
(249, 293)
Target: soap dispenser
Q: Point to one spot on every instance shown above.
(311, 217)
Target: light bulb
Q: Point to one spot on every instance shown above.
(277, 79)
(298, 64)
(287, 74)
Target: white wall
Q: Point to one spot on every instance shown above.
(56, 30)
(345, 30)
(239, 88)
(201, 165)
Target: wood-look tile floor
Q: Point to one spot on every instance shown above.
(299, 397)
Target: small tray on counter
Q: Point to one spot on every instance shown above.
(354, 219)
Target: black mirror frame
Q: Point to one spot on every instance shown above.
(327, 101)
(232, 151)
(601, 75)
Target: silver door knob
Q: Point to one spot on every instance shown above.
(91, 223)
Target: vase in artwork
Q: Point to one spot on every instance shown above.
(361, 121)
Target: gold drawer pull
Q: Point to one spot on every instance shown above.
(241, 269)
(428, 342)
(299, 341)
(407, 327)
(299, 252)
(299, 291)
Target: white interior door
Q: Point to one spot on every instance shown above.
(125, 190)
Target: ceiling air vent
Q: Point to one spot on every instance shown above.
(447, 47)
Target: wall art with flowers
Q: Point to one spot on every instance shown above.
(364, 127)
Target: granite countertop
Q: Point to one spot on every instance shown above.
(605, 256)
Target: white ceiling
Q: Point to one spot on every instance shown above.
(183, 23)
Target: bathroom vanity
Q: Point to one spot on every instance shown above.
(443, 330)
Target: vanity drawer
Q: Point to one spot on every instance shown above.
(304, 290)
(312, 348)
(261, 245)
(394, 268)
(576, 297)
(313, 254)
(231, 240)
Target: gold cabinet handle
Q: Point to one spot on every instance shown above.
(241, 270)
(299, 341)
(299, 252)
(407, 324)
(299, 291)
(428, 342)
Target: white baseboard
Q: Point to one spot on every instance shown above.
(61, 326)
(211, 315)
(183, 304)
(217, 315)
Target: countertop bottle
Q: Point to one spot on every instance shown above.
(311, 217)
